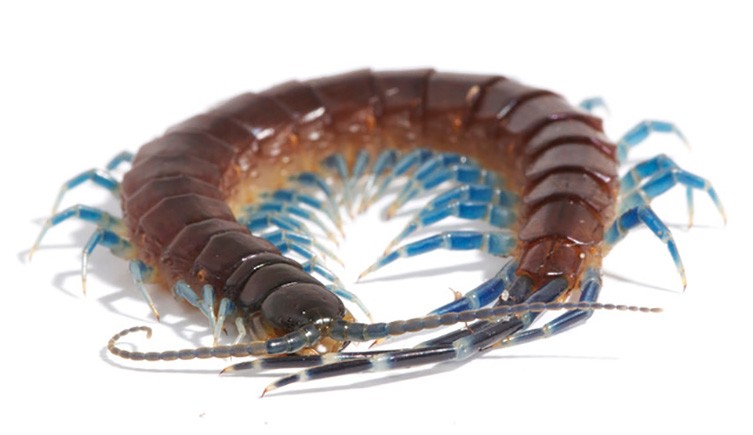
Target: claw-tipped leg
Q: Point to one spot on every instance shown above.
(643, 214)
(495, 243)
(641, 131)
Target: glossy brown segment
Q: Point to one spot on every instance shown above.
(583, 157)
(401, 94)
(300, 304)
(563, 218)
(158, 227)
(224, 253)
(451, 100)
(305, 107)
(168, 166)
(228, 130)
(179, 256)
(267, 279)
(351, 101)
(266, 119)
(577, 184)
(154, 191)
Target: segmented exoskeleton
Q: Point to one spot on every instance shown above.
(517, 157)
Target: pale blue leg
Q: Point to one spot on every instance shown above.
(205, 305)
(337, 287)
(119, 246)
(101, 218)
(359, 168)
(260, 221)
(310, 179)
(293, 197)
(385, 160)
(315, 266)
(122, 157)
(226, 309)
(495, 243)
(288, 209)
(643, 214)
(640, 132)
(401, 167)
(663, 174)
(282, 236)
(99, 177)
(141, 274)
(337, 163)
(433, 172)
(476, 193)
(500, 217)
(463, 173)
(591, 104)
(590, 287)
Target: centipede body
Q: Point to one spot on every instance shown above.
(522, 159)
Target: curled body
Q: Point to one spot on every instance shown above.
(178, 198)
(184, 197)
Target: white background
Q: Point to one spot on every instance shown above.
(82, 81)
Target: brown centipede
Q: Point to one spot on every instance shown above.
(522, 159)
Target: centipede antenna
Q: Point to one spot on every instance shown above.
(366, 332)
(307, 336)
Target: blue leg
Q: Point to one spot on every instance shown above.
(466, 173)
(281, 236)
(476, 193)
(425, 176)
(495, 243)
(643, 214)
(591, 104)
(141, 274)
(500, 217)
(260, 221)
(310, 179)
(118, 246)
(640, 132)
(401, 167)
(337, 287)
(385, 160)
(206, 305)
(288, 209)
(590, 287)
(122, 157)
(337, 163)
(484, 294)
(102, 219)
(99, 177)
(293, 197)
(663, 174)
(359, 169)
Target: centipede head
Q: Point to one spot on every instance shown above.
(291, 307)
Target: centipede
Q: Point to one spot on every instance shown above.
(218, 208)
